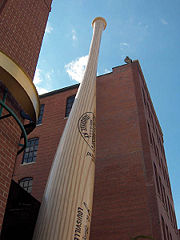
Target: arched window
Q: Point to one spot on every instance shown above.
(26, 183)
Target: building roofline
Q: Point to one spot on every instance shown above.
(77, 85)
(126, 64)
(120, 66)
(150, 99)
(59, 90)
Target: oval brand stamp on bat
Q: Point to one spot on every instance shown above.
(87, 129)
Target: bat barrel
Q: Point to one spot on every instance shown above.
(65, 212)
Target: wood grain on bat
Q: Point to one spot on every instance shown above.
(65, 212)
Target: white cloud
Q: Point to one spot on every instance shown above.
(74, 35)
(76, 68)
(37, 76)
(124, 44)
(49, 74)
(41, 90)
(42, 80)
(49, 28)
(106, 71)
(163, 21)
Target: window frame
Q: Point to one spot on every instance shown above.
(28, 187)
(41, 113)
(69, 103)
(2, 4)
(30, 152)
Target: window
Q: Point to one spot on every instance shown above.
(156, 177)
(169, 208)
(26, 184)
(39, 121)
(170, 236)
(161, 164)
(167, 232)
(30, 152)
(153, 141)
(144, 96)
(2, 3)
(69, 104)
(157, 152)
(171, 215)
(163, 227)
(149, 130)
(161, 189)
(174, 220)
(164, 195)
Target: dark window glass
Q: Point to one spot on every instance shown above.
(156, 177)
(2, 3)
(31, 151)
(163, 227)
(153, 141)
(165, 201)
(26, 183)
(69, 104)
(170, 236)
(167, 232)
(169, 208)
(161, 188)
(39, 121)
(149, 130)
(174, 217)
(144, 97)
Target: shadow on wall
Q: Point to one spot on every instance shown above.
(142, 237)
(20, 215)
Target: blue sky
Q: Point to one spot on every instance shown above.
(145, 30)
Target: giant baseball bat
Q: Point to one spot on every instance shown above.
(66, 208)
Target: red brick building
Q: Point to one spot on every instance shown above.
(22, 26)
(132, 190)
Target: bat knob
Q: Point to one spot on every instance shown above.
(102, 19)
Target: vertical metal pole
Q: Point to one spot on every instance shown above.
(4, 99)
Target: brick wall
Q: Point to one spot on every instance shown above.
(126, 201)
(52, 126)
(160, 198)
(120, 208)
(9, 139)
(22, 25)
